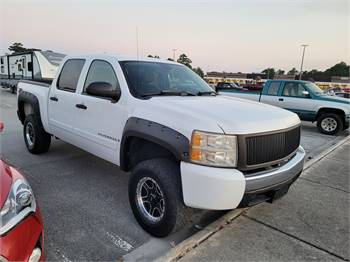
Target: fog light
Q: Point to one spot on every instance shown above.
(35, 256)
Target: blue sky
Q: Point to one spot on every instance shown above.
(217, 35)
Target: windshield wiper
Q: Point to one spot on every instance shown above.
(204, 93)
(168, 93)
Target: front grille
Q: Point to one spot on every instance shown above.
(271, 147)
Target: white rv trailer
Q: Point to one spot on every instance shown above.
(32, 65)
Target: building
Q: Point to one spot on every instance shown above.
(340, 79)
(241, 78)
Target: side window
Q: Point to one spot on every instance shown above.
(273, 88)
(101, 71)
(70, 74)
(30, 66)
(294, 89)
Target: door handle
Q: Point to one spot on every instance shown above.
(53, 98)
(280, 99)
(81, 106)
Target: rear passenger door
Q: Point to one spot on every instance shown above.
(62, 100)
(270, 96)
(100, 122)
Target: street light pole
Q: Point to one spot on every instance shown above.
(174, 50)
(302, 61)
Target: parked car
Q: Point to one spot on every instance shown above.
(184, 145)
(253, 86)
(21, 227)
(226, 85)
(331, 113)
(342, 94)
(335, 90)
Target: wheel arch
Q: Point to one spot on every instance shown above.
(27, 104)
(337, 111)
(144, 139)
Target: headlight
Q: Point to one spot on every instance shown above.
(214, 149)
(20, 202)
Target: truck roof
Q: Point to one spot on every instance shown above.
(120, 57)
(287, 80)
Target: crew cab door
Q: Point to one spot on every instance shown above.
(100, 120)
(295, 97)
(62, 100)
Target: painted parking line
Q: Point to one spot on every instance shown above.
(119, 242)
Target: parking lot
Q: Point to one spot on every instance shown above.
(84, 199)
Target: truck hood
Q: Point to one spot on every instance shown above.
(335, 99)
(215, 114)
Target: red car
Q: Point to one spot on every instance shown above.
(21, 226)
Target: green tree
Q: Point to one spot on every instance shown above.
(183, 59)
(340, 69)
(280, 72)
(269, 72)
(198, 71)
(17, 48)
(293, 71)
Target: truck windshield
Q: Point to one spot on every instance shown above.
(314, 88)
(147, 79)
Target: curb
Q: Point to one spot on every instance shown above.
(324, 153)
(192, 242)
(185, 246)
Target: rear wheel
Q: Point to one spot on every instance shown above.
(155, 197)
(329, 123)
(36, 139)
(13, 89)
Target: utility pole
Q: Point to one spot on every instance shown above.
(174, 51)
(137, 43)
(302, 61)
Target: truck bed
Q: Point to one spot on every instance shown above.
(45, 83)
(12, 82)
(254, 96)
(40, 90)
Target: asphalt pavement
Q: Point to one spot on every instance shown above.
(84, 199)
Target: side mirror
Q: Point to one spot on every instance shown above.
(103, 89)
(305, 93)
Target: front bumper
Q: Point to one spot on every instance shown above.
(222, 188)
(21, 242)
(347, 119)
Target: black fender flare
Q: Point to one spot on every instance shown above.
(29, 98)
(166, 137)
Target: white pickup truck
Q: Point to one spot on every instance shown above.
(304, 98)
(185, 145)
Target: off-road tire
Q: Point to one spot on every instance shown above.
(41, 139)
(166, 174)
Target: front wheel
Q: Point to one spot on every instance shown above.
(36, 139)
(329, 123)
(155, 196)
